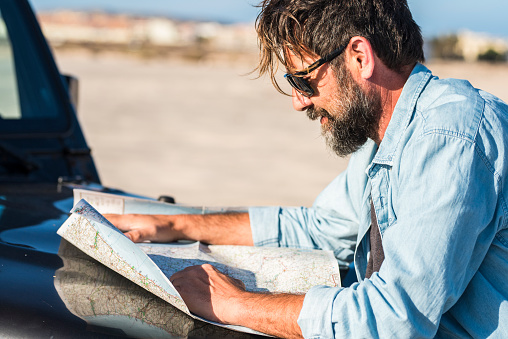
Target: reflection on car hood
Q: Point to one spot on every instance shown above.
(50, 288)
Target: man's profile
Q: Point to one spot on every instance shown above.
(421, 209)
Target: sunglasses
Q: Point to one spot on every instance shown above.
(301, 84)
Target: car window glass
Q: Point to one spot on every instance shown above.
(32, 99)
(9, 98)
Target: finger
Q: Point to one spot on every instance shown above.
(182, 282)
(239, 283)
(183, 272)
(134, 236)
(118, 220)
(191, 273)
(174, 277)
(179, 274)
(208, 268)
(112, 218)
(130, 236)
(177, 282)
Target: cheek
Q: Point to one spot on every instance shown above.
(323, 81)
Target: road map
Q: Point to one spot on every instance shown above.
(279, 270)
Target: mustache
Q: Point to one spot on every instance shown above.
(314, 113)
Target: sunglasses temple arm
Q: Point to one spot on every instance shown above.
(321, 61)
(334, 54)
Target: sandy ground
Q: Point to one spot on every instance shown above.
(209, 134)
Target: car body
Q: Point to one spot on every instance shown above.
(49, 289)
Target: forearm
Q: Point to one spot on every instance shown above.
(274, 314)
(217, 229)
(220, 229)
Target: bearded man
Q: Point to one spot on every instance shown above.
(420, 209)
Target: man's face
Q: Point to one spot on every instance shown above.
(352, 115)
(348, 113)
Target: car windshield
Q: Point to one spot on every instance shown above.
(28, 99)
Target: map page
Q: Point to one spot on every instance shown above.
(262, 269)
(89, 231)
(269, 269)
(124, 204)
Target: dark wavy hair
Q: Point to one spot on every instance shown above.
(317, 27)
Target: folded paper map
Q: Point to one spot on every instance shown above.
(262, 269)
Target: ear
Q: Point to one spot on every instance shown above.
(361, 57)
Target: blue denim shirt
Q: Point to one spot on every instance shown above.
(438, 183)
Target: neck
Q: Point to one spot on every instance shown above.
(389, 85)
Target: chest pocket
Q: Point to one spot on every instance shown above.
(382, 196)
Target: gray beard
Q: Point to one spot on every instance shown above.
(355, 118)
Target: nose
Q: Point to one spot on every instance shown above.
(300, 102)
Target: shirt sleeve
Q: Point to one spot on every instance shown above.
(444, 215)
(330, 224)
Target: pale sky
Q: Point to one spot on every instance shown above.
(434, 16)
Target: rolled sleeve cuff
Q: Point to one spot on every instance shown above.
(315, 319)
(264, 223)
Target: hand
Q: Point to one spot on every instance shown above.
(209, 293)
(218, 229)
(141, 227)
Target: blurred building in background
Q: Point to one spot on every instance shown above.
(470, 46)
(147, 36)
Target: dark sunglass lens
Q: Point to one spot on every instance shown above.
(292, 81)
(300, 84)
(306, 88)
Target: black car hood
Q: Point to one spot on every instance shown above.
(30, 214)
(52, 289)
(30, 305)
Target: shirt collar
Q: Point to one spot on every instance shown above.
(404, 110)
